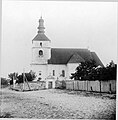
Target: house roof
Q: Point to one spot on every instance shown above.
(41, 37)
(68, 55)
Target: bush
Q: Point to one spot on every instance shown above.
(60, 84)
(4, 81)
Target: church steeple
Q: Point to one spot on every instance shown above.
(41, 49)
(41, 26)
(41, 36)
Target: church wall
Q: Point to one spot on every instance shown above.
(58, 70)
(41, 71)
(46, 70)
(44, 44)
(71, 67)
(40, 59)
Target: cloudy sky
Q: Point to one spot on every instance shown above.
(69, 24)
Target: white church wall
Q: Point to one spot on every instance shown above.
(71, 67)
(40, 70)
(57, 69)
(44, 44)
(40, 59)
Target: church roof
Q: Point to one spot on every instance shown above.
(96, 58)
(41, 37)
(76, 58)
(68, 55)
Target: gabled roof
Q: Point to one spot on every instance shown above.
(63, 55)
(96, 58)
(76, 58)
(41, 37)
(68, 55)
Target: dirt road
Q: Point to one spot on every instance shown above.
(55, 104)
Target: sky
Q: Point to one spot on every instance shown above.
(69, 24)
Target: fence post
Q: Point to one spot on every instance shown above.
(87, 85)
(110, 91)
(73, 85)
(78, 85)
(100, 85)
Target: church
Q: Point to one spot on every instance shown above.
(56, 63)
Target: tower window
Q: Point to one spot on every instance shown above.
(40, 52)
(41, 44)
(39, 72)
(53, 72)
(63, 73)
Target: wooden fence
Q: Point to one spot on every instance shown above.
(33, 86)
(96, 86)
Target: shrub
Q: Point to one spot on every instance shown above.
(4, 81)
(60, 84)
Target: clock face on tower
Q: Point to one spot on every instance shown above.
(40, 53)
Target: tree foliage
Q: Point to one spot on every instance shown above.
(12, 76)
(89, 71)
(108, 72)
(83, 70)
(30, 76)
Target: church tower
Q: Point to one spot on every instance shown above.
(41, 50)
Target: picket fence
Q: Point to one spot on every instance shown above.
(96, 86)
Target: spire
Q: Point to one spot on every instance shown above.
(41, 36)
(41, 16)
(41, 25)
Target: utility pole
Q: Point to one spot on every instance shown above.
(14, 80)
(23, 79)
(27, 82)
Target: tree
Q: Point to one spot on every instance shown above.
(12, 76)
(108, 72)
(29, 76)
(4, 81)
(19, 78)
(83, 71)
(89, 71)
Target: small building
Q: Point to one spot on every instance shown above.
(56, 62)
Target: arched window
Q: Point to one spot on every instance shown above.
(53, 72)
(39, 72)
(41, 44)
(40, 52)
(63, 73)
